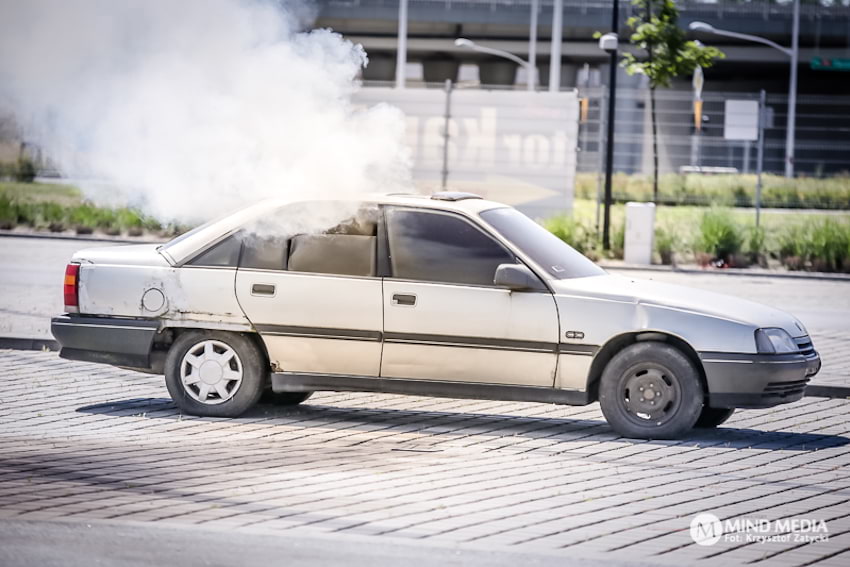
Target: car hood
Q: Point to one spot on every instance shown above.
(648, 292)
(129, 255)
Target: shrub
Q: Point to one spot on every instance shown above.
(755, 248)
(793, 242)
(828, 246)
(8, 213)
(25, 170)
(719, 236)
(618, 241)
(574, 233)
(665, 245)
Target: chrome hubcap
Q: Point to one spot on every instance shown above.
(650, 394)
(211, 372)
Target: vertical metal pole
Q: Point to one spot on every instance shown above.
(760, 155)
(401, 57)
(699, 150)
(600, 159)
(532, 46)
(609, 149)
(448, 116)
(792, 93)
(555, 57)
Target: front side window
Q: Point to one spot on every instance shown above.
(559, 259)
(439, 247)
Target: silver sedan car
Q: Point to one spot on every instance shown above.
(449, 295)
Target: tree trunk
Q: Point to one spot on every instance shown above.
(654, 145)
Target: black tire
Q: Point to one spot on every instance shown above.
(239, 396)
(651, 390)
(285, 398)
(712, 417)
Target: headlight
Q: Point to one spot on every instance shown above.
(775, 341)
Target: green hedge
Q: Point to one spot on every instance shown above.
(726, 190)
(84, 217)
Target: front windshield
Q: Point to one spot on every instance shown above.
(559, 259)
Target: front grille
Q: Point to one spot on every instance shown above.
(784, 389)
(805, 345)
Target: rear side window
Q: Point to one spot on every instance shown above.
(225, 254)
(341, 254)
(438, 247)
(264, 252)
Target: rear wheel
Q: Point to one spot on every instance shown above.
(712, 417)
(651, 390)
(214, 373)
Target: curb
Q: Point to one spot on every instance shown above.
(78, 237)
(730, 272)
(15, 343)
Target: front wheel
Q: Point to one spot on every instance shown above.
(651, 390)
(214, 373)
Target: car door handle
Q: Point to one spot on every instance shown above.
(406, 299)
(266, 290)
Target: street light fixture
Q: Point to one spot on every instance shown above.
(527, 65)
(793, 53)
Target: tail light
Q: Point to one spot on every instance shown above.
(71, 288)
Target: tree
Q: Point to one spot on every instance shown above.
(666, 54)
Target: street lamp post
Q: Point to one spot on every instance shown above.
(527, 65)
(609, 44)
(793, 53)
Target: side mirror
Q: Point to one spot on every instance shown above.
(517, 277)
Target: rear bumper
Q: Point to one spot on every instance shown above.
(109, 340)
(757, 380)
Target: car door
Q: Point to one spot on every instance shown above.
(315, 299)
(444, 319)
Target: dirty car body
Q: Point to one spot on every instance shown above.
(447, 296)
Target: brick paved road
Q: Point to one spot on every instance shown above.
(82, 443)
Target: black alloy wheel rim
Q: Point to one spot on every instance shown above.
(650, 394)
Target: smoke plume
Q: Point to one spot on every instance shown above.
(188, 109)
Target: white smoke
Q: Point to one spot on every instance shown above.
(190, 108)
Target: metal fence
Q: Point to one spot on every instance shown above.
(822, 132)
(717, 8)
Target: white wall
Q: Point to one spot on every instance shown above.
(510, 146)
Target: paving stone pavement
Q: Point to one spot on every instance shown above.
(82, 442)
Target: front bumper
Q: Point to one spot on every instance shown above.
(110, 340)
(757, 380)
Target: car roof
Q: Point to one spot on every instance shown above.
(184, 247)
(446, 201)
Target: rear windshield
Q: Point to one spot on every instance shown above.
(559, 259)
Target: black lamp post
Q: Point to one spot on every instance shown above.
(608, 43)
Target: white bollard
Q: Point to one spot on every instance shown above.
(640, 233)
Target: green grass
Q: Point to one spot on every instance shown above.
(47, 206)
(65, 195)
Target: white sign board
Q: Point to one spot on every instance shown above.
(514, 147)
(741, 120)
